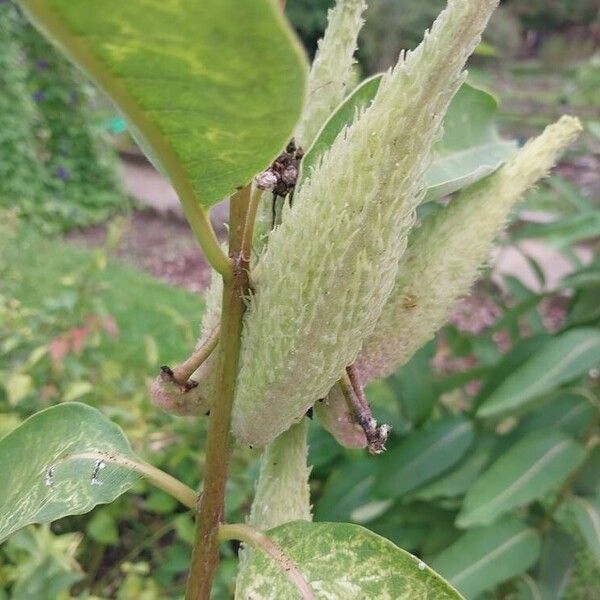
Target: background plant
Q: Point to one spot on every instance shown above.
(59, 168)
(137, 573)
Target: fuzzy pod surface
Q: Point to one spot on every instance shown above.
(331, 71)
(335, 416)
(446, 253)
(326, 274)
(329, 79)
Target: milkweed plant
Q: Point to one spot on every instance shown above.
(332, 275)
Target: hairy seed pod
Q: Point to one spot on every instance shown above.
(447, 251)
(184, 400)
(329, 78)
(331, 71)
(336, 417)
(282, 493)
(328, 269)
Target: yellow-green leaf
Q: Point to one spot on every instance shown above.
(214, 87)
(49, 466)
(339, 560)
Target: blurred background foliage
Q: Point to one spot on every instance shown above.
(58, 168)
(77, 324)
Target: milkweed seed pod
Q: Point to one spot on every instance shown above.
(328, 269)
(447, 251)
(329, 78)
(336, 417)
(282, 493)
(196, 397)
(331, 71)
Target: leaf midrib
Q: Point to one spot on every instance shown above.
(448, 437)
(568, 359)
(533, 470)
(490, 556)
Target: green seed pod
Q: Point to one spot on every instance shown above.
(282, 492)
(331, 71)
(185, 400)
(328, 269)
(335, 416)
(196, 398)
(445, 254)
(330, 77)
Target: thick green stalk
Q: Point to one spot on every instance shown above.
(282, 493)
(205, 555)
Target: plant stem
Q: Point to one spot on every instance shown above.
(249, 224)
(259, 541)
(205, 555)
(354, 393)
(205, 234)
(184, 371)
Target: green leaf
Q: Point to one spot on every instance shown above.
(214, 88)
(43, 475)
(564, 232)
(527, 588)
(346, 489)
(408, 525)
(562, 359)
(423, 455)
(587, 482)
(585, 308)
(587, 517)
(484, 557)
(569, 412)
(414, 386)
(533, 466)
(47, 566)
(463, 476)
(510, 362)
(102, 528)
(360, 98)
(556, 563)
(470, 149)
(340, 560)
